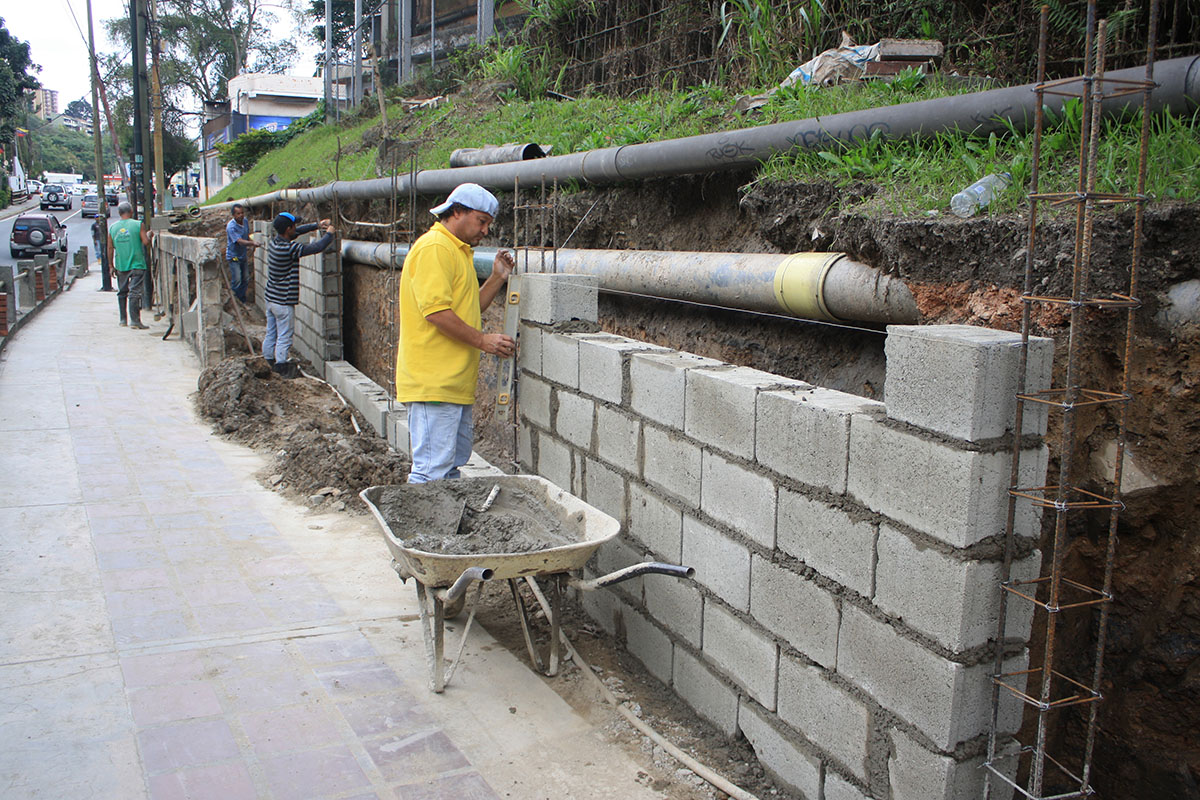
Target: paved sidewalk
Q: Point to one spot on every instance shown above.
(170, 629)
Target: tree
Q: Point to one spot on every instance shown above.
(204, 43)
(16, 78)
(342, 12)
(80, 109)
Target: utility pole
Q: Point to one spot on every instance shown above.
(328, 60)
(101, 202)
(139, 67)
(156, 104)
(143, 75)
(358, 71)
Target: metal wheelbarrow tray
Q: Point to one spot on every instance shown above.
(443, 578)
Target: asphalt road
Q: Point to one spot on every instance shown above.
(79, 229)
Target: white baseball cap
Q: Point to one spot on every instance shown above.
(471, 195)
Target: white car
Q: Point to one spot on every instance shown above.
(78, 189)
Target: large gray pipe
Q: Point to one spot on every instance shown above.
(822, 286)
(1178, 91)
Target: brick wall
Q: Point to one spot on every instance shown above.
(846, 551)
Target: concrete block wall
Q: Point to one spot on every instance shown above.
(846, 550)
(206, 335)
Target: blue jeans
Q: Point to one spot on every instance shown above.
(441, 436)
(238, 278)
(278, 339)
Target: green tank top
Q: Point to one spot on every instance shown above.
(127, 245)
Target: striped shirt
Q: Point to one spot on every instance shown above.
(283, 273)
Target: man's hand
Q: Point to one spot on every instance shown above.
(324, 226)
(329, 229)
(498, 344)
(502, 267)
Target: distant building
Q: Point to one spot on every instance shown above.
(45, 103)
(257, 101)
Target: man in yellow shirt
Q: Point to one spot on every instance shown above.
(441, 309)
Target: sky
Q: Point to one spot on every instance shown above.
(57, 46)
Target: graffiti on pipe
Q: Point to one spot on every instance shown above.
(810, 139)
(727, 149)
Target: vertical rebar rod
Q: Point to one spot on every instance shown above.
(1018, 422)
(1123, 416)
(1067, 438)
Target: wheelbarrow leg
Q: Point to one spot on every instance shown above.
(433, 628)
(556, 593)
(522, 614)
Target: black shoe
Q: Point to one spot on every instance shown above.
(286, 369)
(137, 326)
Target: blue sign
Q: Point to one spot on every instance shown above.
(264, 123)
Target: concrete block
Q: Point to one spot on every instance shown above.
(955, 602)
(829, 540)
(719, 406)
(658, 384)
(828, 716)
(722, 565)
(961, 380)
(805, 435)
(654, 523)
(618, 436)
(574, 418)
(552, 298)
(605, 489)
(602, 364)
(795, 609)
(957, 496)
(744, 654)
(649, 645)
(577, 467)
(915, 773)
(671, 463)
(533, 398)
(740, 498)
(529, 349)
(677, 605)
(605, 608)
(946, 701)
(779, 754)
(560, 359)
(701, 689)
(554, 461)
(838, 788)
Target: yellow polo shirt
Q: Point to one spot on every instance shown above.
(439, 273)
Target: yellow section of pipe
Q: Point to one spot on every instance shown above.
(800, 284)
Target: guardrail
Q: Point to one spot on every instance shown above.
(27, 286)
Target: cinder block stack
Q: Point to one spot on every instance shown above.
(846, 550)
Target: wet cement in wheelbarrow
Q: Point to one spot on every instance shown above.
(425, 517)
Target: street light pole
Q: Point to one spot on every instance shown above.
(328, 60)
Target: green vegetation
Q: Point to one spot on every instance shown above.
(244, 152)
(51, 148)
(914, 176)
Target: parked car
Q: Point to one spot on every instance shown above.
(92, 206)
(35, 187)
(34, 233)
(56, 195)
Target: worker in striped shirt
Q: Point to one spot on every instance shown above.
(283, 286)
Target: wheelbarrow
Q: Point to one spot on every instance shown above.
(442, 579)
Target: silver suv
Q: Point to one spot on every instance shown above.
(56, 195)
(93, 206)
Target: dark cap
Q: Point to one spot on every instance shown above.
(285, 221)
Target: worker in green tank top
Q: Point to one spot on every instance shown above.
(127, 244)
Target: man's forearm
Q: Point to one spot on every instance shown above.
(487, 293)
(453, 326)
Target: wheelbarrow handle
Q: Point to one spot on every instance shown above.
(469, 576)
(645, 568)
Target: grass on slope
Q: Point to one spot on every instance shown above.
(914, 176)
